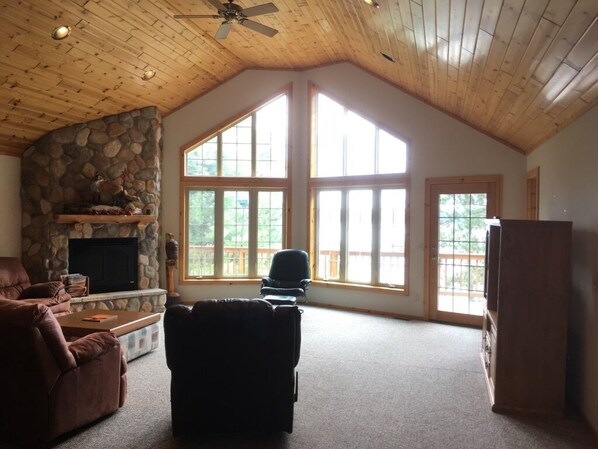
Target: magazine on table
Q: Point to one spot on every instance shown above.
(99, 317)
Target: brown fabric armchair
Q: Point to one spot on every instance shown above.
(232, 364)
(15, 284)
(49, 386)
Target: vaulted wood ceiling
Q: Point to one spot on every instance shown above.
(518, 70)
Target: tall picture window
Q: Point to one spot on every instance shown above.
(359, 195)
(235, 187)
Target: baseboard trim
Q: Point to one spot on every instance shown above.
(400, 316)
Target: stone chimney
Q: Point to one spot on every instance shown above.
(56, 176)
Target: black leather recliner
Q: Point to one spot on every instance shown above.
(289, 274)
(232, 364)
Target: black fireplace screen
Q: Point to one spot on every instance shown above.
(110, 263)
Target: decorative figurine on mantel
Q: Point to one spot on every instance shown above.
(172, 257)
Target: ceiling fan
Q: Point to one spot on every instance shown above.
(231, 12)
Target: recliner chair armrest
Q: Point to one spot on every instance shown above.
(305, 283)
(43, 290)
(267, 281)
(92, 346)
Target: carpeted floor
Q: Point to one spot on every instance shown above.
(365, 382)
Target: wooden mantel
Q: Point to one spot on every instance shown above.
(79, 219)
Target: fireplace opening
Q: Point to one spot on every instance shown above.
(110, 263)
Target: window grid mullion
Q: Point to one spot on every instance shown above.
(253, 227)
(344, 256)
(317, 231)
(219, 233)
(376, 242)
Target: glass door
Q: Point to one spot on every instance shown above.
(456, 249)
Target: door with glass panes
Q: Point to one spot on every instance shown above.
(456, 246)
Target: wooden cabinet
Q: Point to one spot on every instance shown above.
(527, 286)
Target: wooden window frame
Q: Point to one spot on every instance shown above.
(252, 184)
(376, 181)
(532, 194)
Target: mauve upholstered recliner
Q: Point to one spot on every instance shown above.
(48, 386)
(232, 364)
(15, 284)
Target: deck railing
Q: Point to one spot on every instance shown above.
(201, 260)
(456, 272)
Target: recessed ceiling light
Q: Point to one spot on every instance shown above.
(373, 3)
(388, 57)
(148, 75)
(61, 32)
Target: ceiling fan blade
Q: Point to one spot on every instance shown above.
(195, 16)
(223, 30)
(270, 32)
(219, 6)
(266, 8)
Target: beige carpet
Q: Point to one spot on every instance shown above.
(365, 382)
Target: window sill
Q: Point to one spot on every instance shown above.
(317, 283)
(402, 291)
(212, 281)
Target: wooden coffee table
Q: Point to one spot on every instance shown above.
(73, 324)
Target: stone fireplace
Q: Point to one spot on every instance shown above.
(57, 177)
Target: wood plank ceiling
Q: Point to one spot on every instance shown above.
(518, 70)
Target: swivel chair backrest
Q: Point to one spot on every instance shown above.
(290, 265)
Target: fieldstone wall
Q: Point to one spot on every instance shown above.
(148, 300)
(57, 176)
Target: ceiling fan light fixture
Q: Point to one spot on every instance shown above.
(231, 13)
(148, 75)
(373, 3)
(61, 32)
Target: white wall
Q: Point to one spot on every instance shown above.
(568, 191)
(10, 206)
(438, 146)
